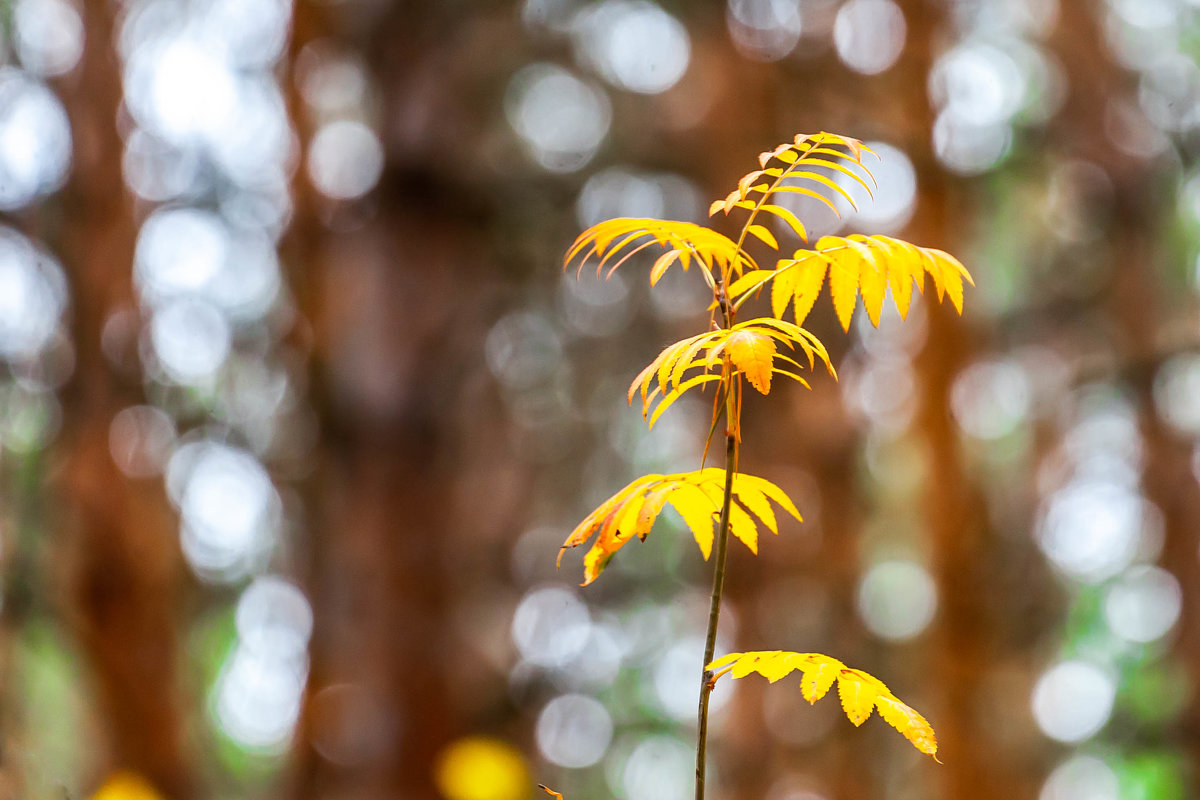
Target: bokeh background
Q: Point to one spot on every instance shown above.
(296, 405)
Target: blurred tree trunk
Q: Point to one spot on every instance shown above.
(953, 507)
(1139, 241)
(118, 552)
(400, 307)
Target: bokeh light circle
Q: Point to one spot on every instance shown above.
(1081, 777)
(345, 159)
(561, 119)
(1143, 604)
(633, 44)
(47, 35)
(574, 730)
(33, 297)
(897, 599)
(869, 35)
(1072, 700)
(35, 140)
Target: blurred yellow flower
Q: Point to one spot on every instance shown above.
(126, 786)
(479, 768)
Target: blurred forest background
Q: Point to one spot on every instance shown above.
(296, 405)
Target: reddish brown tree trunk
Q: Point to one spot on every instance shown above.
(118, 551)
(953, 509)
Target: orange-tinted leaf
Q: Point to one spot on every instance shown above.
(751, 348)
(649, 511)
(696, 496)
(752, 353)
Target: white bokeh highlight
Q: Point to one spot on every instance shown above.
(560, 119)
(1073, 700)
(633, 44)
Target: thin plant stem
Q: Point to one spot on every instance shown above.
(714, 611)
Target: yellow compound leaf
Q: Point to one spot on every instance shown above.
(696, 496)
(751, 346)
(613, 242)
(870, 264)
(753, 354)
(793, 173)
(860, 693)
